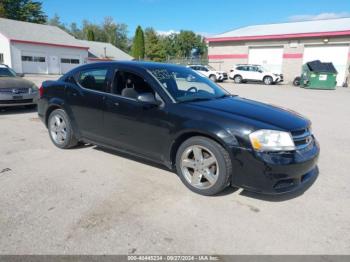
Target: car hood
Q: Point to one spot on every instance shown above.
(258, 112)
(14, 82)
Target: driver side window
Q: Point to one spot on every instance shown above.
(129, 85)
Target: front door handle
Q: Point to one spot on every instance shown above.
(116, 104)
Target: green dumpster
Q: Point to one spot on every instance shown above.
(318, 75)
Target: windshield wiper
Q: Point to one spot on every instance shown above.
(197, 99)
(224, 96)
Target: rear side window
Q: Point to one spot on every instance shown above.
(94, 79)
(242, 68)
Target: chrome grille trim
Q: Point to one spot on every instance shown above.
(21, 90)
(302, 138)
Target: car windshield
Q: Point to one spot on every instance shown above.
(211, 68)
(7, 72)
(184, 84)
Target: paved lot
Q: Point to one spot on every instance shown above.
(89, 200)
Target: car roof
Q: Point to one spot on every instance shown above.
(247, 65)
(136, 64)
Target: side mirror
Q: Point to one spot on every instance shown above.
(260, 71)
(148, 99)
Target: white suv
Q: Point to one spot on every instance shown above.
(210, 72)
(244, 73)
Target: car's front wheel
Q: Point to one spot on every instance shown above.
(213, 78)
(268, 80)
(203, 165)
(60, 130)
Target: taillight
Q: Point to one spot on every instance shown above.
(41, 91)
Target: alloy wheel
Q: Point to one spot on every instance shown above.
(199, 166)
(58, 129)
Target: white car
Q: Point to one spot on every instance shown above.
(210, 72)
(244, 73)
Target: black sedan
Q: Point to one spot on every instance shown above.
(172, 115)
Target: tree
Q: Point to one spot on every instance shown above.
(90, 35)
(138, 47)
(23, 10)
(56, 21)
(185, 41)
(154, 50)
(76, 31)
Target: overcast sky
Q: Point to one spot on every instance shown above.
(202, 16)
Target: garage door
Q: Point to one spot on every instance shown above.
(34, 63)
(337, 54)
(69, 62)
(269, 57)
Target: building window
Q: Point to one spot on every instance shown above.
(1, 58)
(39, 59)
(27, 58)
(70, 61)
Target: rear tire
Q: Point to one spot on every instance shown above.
(238, 79)
(268, 80)
(296, 81)
(60, 130)
(203, 165)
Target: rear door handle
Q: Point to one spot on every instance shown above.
(116, 104)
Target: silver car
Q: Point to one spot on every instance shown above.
(16, 91)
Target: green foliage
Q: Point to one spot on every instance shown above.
(23, 10)
(138, 47)
(55, 21)
(154, 47)
(90, 35)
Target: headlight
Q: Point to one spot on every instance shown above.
(271, 140)
(34, 89)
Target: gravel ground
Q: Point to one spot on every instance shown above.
(92, 201)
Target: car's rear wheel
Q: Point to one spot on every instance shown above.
(60, 130)
(237, 79)
(203, 165)
(268, 80)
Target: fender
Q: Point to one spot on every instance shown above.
(199, 127)
(56, 102)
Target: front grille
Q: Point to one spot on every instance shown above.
(302, 138)
(15, 91)
(19, 101)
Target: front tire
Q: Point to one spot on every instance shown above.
(60, 130)
(213, 78)
(203, 165)
(268, 80)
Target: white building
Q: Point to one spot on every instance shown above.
(43, 49)
(284, 48)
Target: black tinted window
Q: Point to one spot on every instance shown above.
(242, 68)
(95, 79)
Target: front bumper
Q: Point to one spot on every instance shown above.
(279, 79)
(275, 173)
(7, 100)
(222, 77)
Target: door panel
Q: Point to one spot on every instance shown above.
(269, 57)
(132, 126)
(87, 108)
